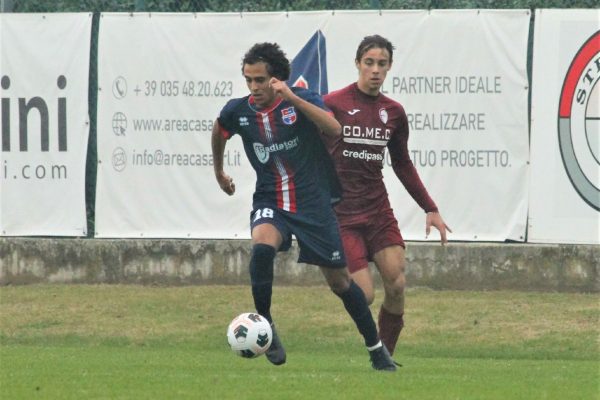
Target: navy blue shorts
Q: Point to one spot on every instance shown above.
(317, 234)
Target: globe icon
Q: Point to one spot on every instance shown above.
(119, 124)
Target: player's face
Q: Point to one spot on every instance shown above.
(257, 79)
(372, 70)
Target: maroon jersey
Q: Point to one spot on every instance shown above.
(370, 124)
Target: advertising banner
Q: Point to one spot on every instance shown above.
(44, 68)
(564, 202)
(163, 78)
(461, 77)
(160, 91)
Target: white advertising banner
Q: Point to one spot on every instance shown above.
(44, 68)
(564, 202)
(160, 91)
(460, 75)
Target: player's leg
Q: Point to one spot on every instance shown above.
(356, 305)
(320, 244)
(357, 261)
(387, 248)
(364, 280)
(267, 238)
(354, 301)
(390, 262)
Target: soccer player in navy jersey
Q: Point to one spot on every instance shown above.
(372, 122)
(296, 186)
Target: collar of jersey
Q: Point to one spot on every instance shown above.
(363, 96)
(251, 104)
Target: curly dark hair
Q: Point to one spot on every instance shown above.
(374, 42)
(271, 54)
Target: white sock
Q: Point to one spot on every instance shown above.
(378, 345)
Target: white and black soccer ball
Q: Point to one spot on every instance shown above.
(249, 335)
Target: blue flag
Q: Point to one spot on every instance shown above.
(309, 67)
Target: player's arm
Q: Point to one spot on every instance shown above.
(408, 175)
(323, 119)
(218, 142)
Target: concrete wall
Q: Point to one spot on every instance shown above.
(480, 266)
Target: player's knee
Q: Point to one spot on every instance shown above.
(368, 290)
(338, 283)
(339, 287)
(395, 290)
(261, 263)
(399, 283)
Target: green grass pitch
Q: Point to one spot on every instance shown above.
(140, 342)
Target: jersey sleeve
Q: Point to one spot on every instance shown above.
(404, 168)
(311, 97)
(227, 121)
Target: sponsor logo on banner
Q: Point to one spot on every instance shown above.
(39, 106)
(579, 122)
(41, 128)
(288, 115)
(44, 124)
(309, 67)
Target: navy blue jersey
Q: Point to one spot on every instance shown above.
(294, 170)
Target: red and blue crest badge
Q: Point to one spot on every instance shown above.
(288, 115)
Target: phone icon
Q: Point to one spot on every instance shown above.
(120, 87)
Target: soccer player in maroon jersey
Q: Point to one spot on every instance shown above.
(296, 186)
(370, 123)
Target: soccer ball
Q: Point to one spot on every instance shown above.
(249, 335)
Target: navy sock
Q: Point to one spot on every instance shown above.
(261, 276)
(355, 303)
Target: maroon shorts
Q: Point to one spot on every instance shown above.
(365, 235)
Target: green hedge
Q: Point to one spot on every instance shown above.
(278, 5)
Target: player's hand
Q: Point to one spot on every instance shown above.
(226, 183)
(435, 219)
(281, 89)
